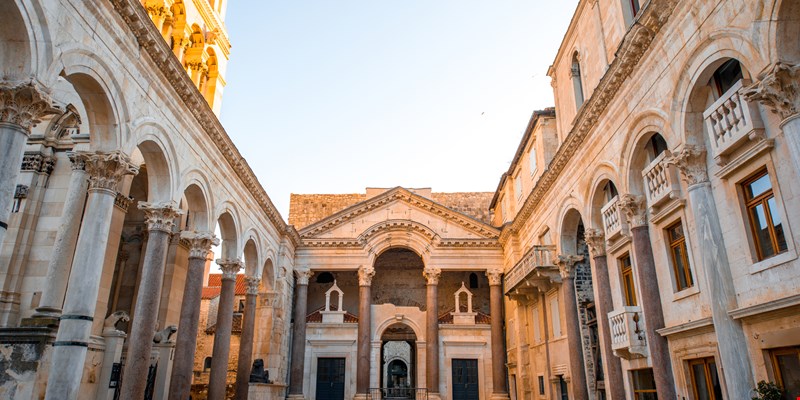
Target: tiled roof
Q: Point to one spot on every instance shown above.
(480, 318)
(316, 316)
(210, 292)
(235, 329)
(215, 285)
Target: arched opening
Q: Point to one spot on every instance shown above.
(195, 206)
(14, 40)
(605, 193)
(650, 174)
(398, 274)
(99, 113)
(209, 83)
(788, 31)
(268, 276)
(227, 232)
(250, 257)
(577, 80)
(473, 280)
(398, 358)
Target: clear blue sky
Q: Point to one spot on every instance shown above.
(334, 96)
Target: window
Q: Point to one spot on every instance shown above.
(786, 364)
(541, 385)
(537, 333)
(241, 305)
(762, 211)
(705, 381)
(532, 159)
(626, 274)
(518, 186)
(634, 7)
(325, 277)
(556, 317)
(655, 146)
(644, 384)
(577, 82)
(207, 364)
(680, 257)
(610, 191)
(473, 280)
(726, 76)
(545, 238)
(562, 387)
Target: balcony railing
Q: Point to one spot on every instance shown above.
(731, 121)
(398, 393)
(537, 256)
(627, 332)
(613, 220)
(660, 181)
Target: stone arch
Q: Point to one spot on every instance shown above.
(384, 236)
(785, 31)
(200, 217)
(152, 141)
(23, 33)
(251, 254)
(227, 224)
(386, 323)
(596, 197)
(268, 274)
(570, 220)
(634, 157)
(153, 161)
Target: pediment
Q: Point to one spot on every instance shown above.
(398, 210)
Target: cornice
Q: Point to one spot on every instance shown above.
(635, 44)
(398, 194)
(151, 41)
(212, 19)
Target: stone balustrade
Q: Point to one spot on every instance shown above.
(537, 257)
(627, 332)
(614, 221)
(660, 182)
(731, 121)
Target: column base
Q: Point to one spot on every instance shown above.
(40, 321)
(499, 396)
(361, 396)
(296, 397)
(434, 396)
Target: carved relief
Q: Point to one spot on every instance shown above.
(432, 275)
(38, 162)
(691, 162)
(160, 216)
(21, 192)
(24, 104)
(303, 275)
(251, 285)
(495, 276)
(634, 208)
(229, 267)
(365, 274)
(596, 241)
(123, 202)
(106, 169)
(778, 89)
(200, 243)
(566, 265)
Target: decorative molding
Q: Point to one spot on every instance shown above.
(229, 267)
(251, 285)
(365, 274)
(635, 209)
(596, 240)
(432, 275)
(691, 162)
(123, 202)
(106, 169)
(778, 89)
(24, 104)
(38, 162)
(635, 44)
(495, 277)
(77, 163)
(160, 216)
(566, 265)
(685, 327)
(765, 307)
(21, 192)
(200, 243)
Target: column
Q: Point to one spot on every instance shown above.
(200, 244)
(615, 388)
(217, 379)
(778, 89)
(500, 389)
(21, 107)
(246, 339)
(160, 220)
(64, 246)
(365, 274)
(299, 334)
(105, 170)
(634, 208)
(731, 341)
(432, 275)
(566, 266)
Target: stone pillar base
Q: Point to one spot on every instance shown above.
(499, 396)
(296, 397)
(434, 396)
(360, 396)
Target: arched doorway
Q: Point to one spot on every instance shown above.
(398, 357)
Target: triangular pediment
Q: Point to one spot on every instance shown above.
(398, 209)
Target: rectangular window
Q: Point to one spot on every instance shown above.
(541, 385)
(635, 7)
(786, 364)
(556, 317)
(680, 256)
(626, 274)
(537, 334)
(518, 186)
(644, 384)
(562, 386)
(762, 211)
(532, 159)
(705, 381)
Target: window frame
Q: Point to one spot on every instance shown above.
(774, 361)
(751, 202)
(636, 391)
(629, 297)
(704, 361)
(672, 244)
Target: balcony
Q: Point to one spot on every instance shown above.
(627, 333)
(537, 262)
(731, 121)
(660, 182)
(613, 220)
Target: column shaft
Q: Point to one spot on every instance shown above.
(791, 134)
(432, 339)
(299, 338)
(577, 371)
(12, 142)
(217, 380)
(615, 388)
(246, 344)
(363, 352)
(183, 364)
(498, 351)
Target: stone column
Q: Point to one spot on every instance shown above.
(500, 389)
(634, 208)
(432, 275)
(778, 88)
(160, 220)
(217, 379)
(21, 107)
(199, 245)
(566, 266)
(246, 339)
(615, 388)
(69, 350)
(365, 274)
(731, 341)
(64, 246)
(299, 334)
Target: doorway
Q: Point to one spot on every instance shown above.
(330, 378)
(465, 379)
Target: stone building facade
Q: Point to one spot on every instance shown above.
(641, 244)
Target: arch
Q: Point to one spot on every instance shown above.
(158, 150)
(197, 39)
(197, 216)
(570, 220)
(389, 321)
(153, 161)
(786, 31)
(383, 236)
(15, 39)
(577, 80)
(228, 233)
(251, 261)
(596, 198)
(268, 275)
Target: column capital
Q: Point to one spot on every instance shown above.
(634, 208)
(778, 88)
(432, 275)
(24, 104)
(303, 275)
(596, 241)
(495, 276)
(365, 274)
(78, 164)
(691, 161)
(251, 283)
(38, 162)
(229, 267)
(200, 243)
(106, 169)
(566, 264)
(160, 216)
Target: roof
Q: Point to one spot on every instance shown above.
(214, 286)
(480, 318)
(236, 328)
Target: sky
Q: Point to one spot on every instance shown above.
(335, 96)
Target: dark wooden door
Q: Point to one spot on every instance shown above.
(465, 379)
(330, 378)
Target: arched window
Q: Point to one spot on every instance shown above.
(325, 277)
(473, 281)
(207, 364)
(577, 83)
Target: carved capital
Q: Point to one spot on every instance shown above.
(106, 169)
(24, 104)
(566, 265)
(38, 162)
(495, 276)
(78, 163)
(200, 243)
(778, 88)
(691, 162)
(251, 284)
(596, 241)
(160, 216)
(229, 267)
(303, 275)
(123, 202)
(634, 208)
(365, 274)
(432, 275)
(21, 191)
